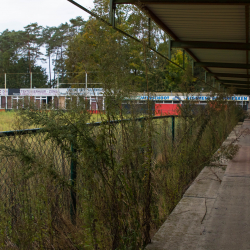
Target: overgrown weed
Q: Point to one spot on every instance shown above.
(129, 175)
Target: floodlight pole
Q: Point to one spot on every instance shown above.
(31, 80)
(149, 31)
(57, 90)
(86, 81)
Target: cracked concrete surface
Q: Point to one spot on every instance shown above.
(214, 213)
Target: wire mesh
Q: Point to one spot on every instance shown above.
(36, 170)
(26, 161)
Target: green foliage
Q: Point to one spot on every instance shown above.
(21, 50)
(129, 175)
(175, 74)
(19, 76)
(87, 51)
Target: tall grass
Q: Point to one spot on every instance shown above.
(7, 121)
(129, 176)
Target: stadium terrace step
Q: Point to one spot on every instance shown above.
(187, 226)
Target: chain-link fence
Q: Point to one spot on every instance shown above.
(101, 185)
(41, 175)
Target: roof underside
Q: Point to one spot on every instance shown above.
(210, 31)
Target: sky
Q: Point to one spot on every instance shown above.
(15, 14)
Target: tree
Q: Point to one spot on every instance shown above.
(174, 74)
(60, 38)
(10, 48)
(16, 63)
(77, 25)
(33, 41)
(87, 50)
(49, 42)
(21, 48)
(18, 75)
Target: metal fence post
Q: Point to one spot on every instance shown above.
(142, 121)
(5, 84)
(73, 184)
(173, 127)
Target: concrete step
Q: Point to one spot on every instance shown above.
(185, 226)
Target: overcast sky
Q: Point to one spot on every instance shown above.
(15, 14)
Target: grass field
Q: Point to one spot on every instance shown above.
(9, 121)
(116, 168)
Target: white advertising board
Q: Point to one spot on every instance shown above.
(195, 98)
(52, 92)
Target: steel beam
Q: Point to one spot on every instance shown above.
(112, 12)
(234, 82)
(209, 2)
(165, 28)
(242, 88)
(230, 75)
(247, 32)
(222, 65)
(209, 45)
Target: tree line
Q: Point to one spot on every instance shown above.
(21, 51)
(77, 47)
(104, 51)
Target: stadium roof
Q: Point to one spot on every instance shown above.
(214, 33)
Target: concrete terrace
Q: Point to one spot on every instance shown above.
(214, 213)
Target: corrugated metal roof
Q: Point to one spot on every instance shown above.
(232, 78)
(229, 71)
(223, 56)
(206, 21)
(203, 22)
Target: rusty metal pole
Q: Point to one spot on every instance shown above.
(173, 129)
(73, 184)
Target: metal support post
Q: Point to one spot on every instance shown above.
(183, 59)
(149, 31)
(5, 86)
(57, 80)
(169, 48)
(73, 185)
(57, 90)
(205, 76)
(173, 129)
(112, 13)
(169, 54)
(192, 67)
(142, 132)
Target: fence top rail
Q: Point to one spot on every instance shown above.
(95, 124)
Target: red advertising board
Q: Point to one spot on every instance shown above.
(166, 109)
